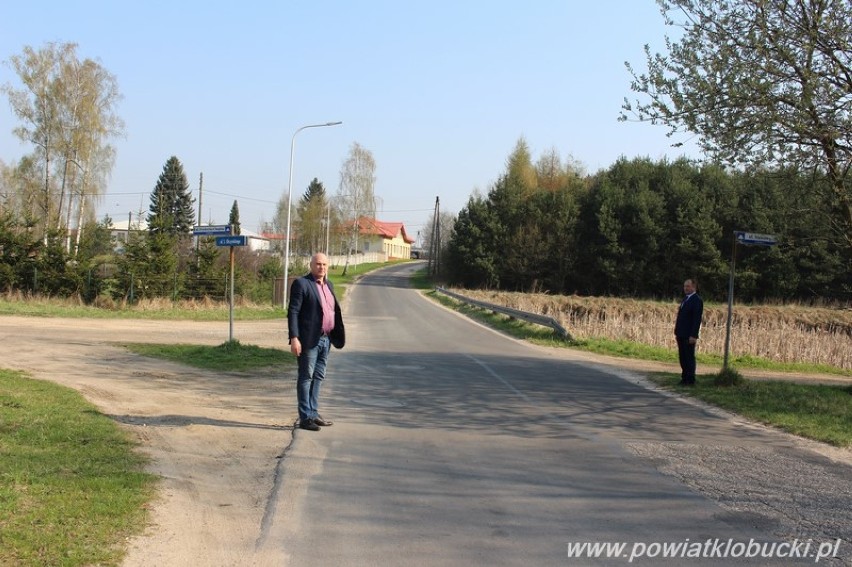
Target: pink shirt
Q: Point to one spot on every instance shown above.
(327, 300)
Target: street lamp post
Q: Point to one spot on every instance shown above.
(289, 205)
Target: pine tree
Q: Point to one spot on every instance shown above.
(312, 212)
(234, 219)
(171, 210)
(206, 275)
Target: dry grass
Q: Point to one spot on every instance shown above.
(156, 308)
(782, 333)
(143, 305)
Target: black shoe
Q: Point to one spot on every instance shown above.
(309, 425)
(323, 422)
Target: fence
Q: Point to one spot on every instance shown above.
(514, 313)
(356, 259)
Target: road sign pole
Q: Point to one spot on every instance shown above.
(730, 302)
(231, 302)
(746, 239)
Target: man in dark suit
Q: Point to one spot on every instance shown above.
(687, 326)
(314, 323)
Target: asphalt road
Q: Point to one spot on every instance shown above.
(454, 445)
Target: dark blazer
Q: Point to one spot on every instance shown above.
(689, 314)
(304, 314)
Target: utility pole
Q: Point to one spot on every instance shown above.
(437, 235)
(433, 241)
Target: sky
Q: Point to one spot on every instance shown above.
(439, 92)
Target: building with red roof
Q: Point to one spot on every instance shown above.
(389, 238)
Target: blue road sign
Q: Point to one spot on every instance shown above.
(755, 239)
(211, 230)
(231, 240)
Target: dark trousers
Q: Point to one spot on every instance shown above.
(686, 355)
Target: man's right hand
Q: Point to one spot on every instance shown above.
(295, 346)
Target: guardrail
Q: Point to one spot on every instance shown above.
(514, 313)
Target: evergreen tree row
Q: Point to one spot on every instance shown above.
(641, 227)
(163, 261)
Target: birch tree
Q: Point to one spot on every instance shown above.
(357, 191)
(436, 238)
(67, 111)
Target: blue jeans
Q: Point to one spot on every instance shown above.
(312, 364)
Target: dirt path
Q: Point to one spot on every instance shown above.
(215, 439)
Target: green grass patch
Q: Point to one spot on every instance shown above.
(335, 273)
(819, 412)
(628, 349)
(72, 489)
(422, 280)
(230, 356)
(631, 349)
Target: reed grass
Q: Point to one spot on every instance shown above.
(820, 336)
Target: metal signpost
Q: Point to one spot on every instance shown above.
(231, 241)
(746, 239)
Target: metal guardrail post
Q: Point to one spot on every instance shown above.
(508, 311)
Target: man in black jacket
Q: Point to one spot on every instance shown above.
(687, 326)
(314, 323)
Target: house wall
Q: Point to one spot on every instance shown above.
(336, 260)
(390, 247)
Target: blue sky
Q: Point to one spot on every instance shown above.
(438, 91)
